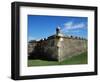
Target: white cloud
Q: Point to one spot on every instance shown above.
(80, 25)
(71, 26)
(68, 24)
(32, 38)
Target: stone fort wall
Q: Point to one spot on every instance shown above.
(60, 48)
(70, 47)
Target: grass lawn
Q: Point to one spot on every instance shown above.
(79, 59)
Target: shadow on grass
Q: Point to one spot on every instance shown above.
(40, 57)
(44, 61)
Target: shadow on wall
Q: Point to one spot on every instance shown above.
(38, 53)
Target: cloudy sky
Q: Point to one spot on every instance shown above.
(44, 26)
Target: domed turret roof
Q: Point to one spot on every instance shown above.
(58, 27)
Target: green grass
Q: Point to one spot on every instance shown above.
(79, 59)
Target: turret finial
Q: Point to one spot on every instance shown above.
(58, 30)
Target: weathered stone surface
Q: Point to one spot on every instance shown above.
(71, 47)
(57, 47)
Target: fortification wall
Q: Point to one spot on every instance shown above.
(58, 48)
(50, 49)
(70, 47)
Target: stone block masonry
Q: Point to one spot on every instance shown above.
(71, 47)
(57, 47)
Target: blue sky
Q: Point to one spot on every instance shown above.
(40, 26)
